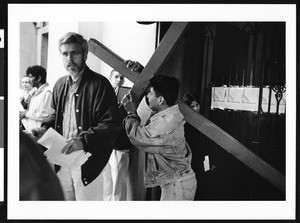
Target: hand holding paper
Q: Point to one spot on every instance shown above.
(55, 143)
(72, 146)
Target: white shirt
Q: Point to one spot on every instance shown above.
(39, 108)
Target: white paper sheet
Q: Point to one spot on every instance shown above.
(235, 94)
(55, 142)
(220, 93)
(219, 97)
(251, 95)
(206, 163)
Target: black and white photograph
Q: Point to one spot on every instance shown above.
(150, 111)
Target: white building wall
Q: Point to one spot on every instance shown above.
(28, 45)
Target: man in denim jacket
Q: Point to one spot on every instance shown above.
(168, 156)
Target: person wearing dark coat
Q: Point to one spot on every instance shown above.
(38, 181)
(87, 115)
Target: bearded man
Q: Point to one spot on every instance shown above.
(87, 115)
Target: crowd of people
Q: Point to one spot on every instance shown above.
(84, 109)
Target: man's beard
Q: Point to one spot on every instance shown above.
(73, 69)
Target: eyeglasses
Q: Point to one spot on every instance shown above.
(73, 54)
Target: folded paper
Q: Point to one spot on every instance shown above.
(55, 142)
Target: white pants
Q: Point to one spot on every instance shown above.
(73, 188)
(116, 177)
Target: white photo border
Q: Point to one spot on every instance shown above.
(138, 209)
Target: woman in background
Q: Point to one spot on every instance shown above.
(27, 91)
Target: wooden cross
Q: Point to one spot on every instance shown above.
(205, 126)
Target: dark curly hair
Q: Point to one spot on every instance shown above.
(165, 86)
(37, 71)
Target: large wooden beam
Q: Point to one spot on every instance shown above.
(201, 123)
(112, 59)
(160, 56)
(233, 146)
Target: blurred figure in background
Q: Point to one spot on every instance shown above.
(27, 92)
(191, 101)
(115, 175)
(116, 79)
(39, 108)
(37, 179)
(202, 154)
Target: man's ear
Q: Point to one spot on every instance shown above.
(161, 100)
(39, 78)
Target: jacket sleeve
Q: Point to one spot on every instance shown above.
(148, 138)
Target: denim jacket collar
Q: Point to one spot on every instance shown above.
(171, 110)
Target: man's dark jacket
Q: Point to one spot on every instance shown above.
(97, 117)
